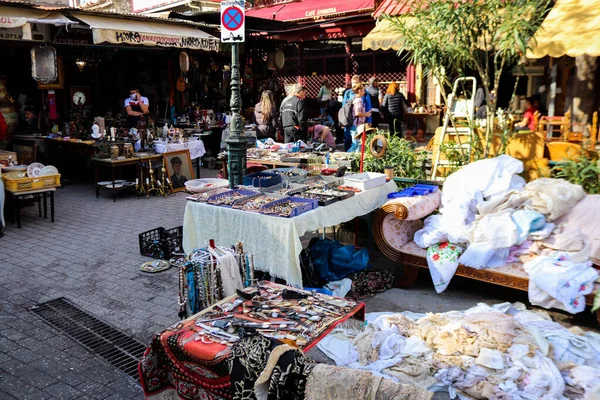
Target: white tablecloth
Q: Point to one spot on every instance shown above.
(196, 148)
(275, 241)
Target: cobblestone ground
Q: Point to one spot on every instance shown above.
(90, 255)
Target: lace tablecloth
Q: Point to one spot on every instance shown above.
(275, 241)
(196, 148)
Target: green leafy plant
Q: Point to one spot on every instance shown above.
(448, 37)
(400, 154)
(596, 305)
(582, 170)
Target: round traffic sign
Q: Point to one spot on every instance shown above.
(232, 18)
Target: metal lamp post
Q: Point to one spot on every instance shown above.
(236, 144)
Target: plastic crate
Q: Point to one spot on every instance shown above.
(217, 198)
(262, 179)
(161, 243)
(15, 184)
(308, 204)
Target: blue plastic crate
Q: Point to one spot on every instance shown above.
(308, 204)
(262, 179)
(416, 190)
(229, 193)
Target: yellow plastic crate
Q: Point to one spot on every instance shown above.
(14, 183)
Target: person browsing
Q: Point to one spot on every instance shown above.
(322, 134)
(293, 115)
(136, 106)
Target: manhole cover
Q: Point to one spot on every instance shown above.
(97, 336)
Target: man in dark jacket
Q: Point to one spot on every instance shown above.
(293, 115)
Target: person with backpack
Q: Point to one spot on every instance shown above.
(293, 115)
(394, 104)
(353, 114)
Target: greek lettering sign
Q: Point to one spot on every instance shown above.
(232, 21)
(147, 39)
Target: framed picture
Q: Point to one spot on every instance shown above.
(179, 168)
(26, 151)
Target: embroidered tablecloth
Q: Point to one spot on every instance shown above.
(274, 241)
(196, 148)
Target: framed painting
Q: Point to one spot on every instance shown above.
(179, 168)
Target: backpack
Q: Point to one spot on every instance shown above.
(346, 115)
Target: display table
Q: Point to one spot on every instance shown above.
(184, 361)
(39, 195)
(275, 241)
(115, 164)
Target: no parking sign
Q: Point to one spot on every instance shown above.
(232, 21)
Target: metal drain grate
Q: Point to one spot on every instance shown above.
(97, 336)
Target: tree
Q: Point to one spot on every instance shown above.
(482, 35)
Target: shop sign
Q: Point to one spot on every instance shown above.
(146, 39)
(319, 12)
(27, 33)
(74, 36)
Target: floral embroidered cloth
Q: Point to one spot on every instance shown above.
(442, 260)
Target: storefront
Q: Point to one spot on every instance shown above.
(103, 57)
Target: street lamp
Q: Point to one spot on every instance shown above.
(236, 144)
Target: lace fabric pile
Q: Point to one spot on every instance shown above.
(489, 210)
(500, 352)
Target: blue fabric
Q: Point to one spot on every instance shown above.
(333, 261)
(368, 107)
(348, 137)
(348, 96)
(527, 221)
(320, 290)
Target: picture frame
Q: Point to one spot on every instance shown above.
(178, 165)
(26, 151)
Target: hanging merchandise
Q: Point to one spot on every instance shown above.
(210, 274)
(52, 111)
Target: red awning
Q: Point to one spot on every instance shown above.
(391, 7)
(311, 9)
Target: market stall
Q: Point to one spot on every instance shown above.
(274, 240)
(195, 356)
(496, 228)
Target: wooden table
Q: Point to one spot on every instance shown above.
(39, 195)
(118, 163)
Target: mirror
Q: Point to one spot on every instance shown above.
(44, 66)
(378, 146)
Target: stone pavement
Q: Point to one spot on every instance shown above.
(90, 255)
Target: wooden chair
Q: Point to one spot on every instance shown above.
(555, 127)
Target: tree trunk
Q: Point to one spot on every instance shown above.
(584, 89)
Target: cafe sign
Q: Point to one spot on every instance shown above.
(11, 29)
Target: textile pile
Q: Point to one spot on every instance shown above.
(499, 352)
(490, 216)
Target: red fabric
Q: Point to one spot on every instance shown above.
(530, 118)
(310, 9)
(3, 128)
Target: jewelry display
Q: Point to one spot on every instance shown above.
(254, 203)
(298, 316)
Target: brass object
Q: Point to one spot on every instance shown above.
(114, 151)
(128, 150)
(378, 146)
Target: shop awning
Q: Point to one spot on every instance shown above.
(311, 9)
(14, 17)
(147, 33)
(391, 7)
(571, 28)
(16, 23)
(383, 37)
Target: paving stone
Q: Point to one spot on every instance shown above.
(24, 355)
(38, 379)
(61, 390)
